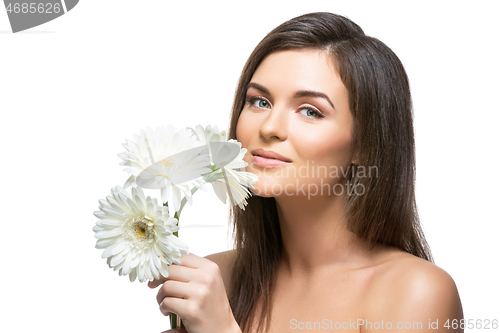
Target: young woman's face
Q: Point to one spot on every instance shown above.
(296, 125)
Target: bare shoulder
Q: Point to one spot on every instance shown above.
(225, 262)
(406, 288)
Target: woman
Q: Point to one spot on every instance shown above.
(331, 239)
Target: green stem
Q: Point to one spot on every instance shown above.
(183, 203)
(177, 214)
(174, 320)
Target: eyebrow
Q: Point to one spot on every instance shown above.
(310, 93)
(298, 94)
(258, 87)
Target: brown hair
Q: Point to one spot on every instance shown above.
(380, 101)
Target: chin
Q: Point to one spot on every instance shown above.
(270, 188)
(262, 190)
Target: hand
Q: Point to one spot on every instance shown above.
(195, 292)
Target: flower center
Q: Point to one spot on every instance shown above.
(167, 163)
(139, 231)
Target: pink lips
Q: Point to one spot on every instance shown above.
(269, 159)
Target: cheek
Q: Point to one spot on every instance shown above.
(246, 128)
(239, 130)
(243, 132)
(327, 147)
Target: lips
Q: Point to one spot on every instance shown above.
(269, 159)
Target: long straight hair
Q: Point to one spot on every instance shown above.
(380, 102)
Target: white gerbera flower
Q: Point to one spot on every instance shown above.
(209, 134)
(227, 160)
(168, 159)
(136, 234)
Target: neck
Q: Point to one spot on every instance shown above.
(315, 234)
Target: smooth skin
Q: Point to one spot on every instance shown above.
(195, 291)
(327, 275)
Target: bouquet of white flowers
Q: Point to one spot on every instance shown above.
(138, 233)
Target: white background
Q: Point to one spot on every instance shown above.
(72, 90)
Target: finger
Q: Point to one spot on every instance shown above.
(156, 282)
(173, 289)
(193, 261)
(172, 304)
(175, 272)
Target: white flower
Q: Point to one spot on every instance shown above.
(233, 183)
(136, 234)
(209, 134)
(227, 159)
(168, 159)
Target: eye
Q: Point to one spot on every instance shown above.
(259, 102)
(311, 112)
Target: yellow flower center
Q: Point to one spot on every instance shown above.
(167, 162)
(140, 230)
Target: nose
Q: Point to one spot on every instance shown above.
(275, 125)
